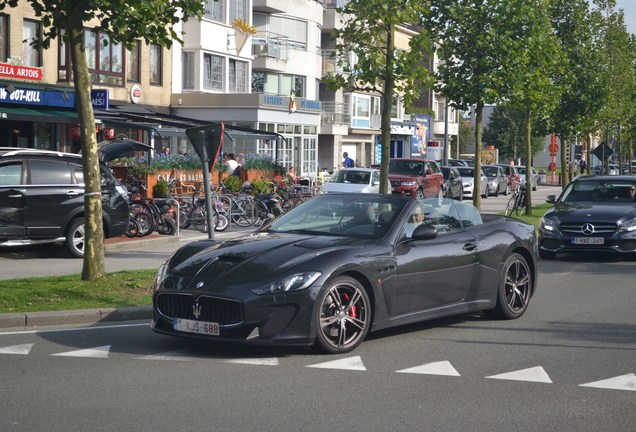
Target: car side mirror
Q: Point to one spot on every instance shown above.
(424, 232)
(550, 199)
(376, 182)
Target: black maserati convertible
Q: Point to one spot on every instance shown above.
(341, 265)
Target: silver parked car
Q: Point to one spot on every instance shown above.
(497, 180)
(352, 180)
(534, 177)
(468, 174)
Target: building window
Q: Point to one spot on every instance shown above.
(310, 151)
(238, 10)
(215, 10)
(278, 84)
(293, 29)
(238, 76)
(31, 56)
(132, 63)
(105, 59)
(4, 37)
(156, 62)
(361, 111)
(187, 74)
(212, 72)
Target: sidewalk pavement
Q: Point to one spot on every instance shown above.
(21, 321)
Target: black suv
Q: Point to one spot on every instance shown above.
(42, 199)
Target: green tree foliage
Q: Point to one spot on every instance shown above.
(475, 49)
(506, 131)
(583, 78)
(124, 22)
(368, 37)
(532, 69)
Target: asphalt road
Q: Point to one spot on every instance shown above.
(567, 365)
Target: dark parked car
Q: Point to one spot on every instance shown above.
(340, 265)
(453, 185)
(416, 178)
(42, 199)
(497, 180)
(593, 213)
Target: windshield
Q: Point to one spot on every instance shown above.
(406, 167)
(350, 215)
(466, 172)
(599, 191)
(351, 176)
(490, 171)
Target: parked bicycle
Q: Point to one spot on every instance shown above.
(517, 203)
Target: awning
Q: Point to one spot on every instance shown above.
(39, 114)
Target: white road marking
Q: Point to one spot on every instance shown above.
(97, 352)
(23, 349)
(623, 382)
(434, 368)
(175, 355)
(269, 361)
(72, 329)
(350, 363)
(534, 374)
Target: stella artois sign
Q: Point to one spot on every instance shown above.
(20, 72)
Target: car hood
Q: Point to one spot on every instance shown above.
(402, 177)
(346, 187)
(582, 212)
(252, 259)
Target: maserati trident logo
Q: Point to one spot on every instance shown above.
(196, 310)
(587, 229)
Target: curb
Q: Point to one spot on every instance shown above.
(85, 316)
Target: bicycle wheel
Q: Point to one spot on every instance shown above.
(198, 218)
(133, 228)
(243, 212)
(262, 213)
(511, 205)
(292, 202)
(141, 212)
(221, 222)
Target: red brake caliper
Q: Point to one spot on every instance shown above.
(352, 311)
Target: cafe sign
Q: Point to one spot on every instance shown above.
(20, 72)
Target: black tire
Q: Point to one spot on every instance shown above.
(133, 228)
(419, 195)
(244, 212)
(515, 289)
(221, 222)
(75, 238)
(507, 190)
(342, 316)
(198, 219)
(510, 206)
(146, 223)
(169, 226)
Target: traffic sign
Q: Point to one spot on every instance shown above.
(603, 151)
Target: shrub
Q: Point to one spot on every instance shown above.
(262, 186)
(233, 183)
(161, 189)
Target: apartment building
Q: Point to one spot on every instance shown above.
(263, 76)
(37, 96)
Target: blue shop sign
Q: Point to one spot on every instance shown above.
(99, 98)
(37, 97)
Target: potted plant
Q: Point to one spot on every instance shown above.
(233, 183)
(161, 189)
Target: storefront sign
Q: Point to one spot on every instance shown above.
(37, 97)
(298, 103)
(135, 93)
(20, 72)
(99, 98)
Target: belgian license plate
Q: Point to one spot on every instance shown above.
(587, 240)
(198, 327)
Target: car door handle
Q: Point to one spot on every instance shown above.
(19, 195)
(470, 246)
(72, 193)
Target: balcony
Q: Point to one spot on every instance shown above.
(270, 6)
(335, 118)
(270, 51)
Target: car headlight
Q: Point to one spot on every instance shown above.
(549, 224)
(161, 274)
(293, 282)
(407, 183)
(628, 225)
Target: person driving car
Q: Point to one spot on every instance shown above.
(414, 220)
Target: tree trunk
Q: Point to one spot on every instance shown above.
(387, 103)
(528, 162)
(93, 266)
(479, 109)
(564, 164)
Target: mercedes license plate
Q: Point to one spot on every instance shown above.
(587, 240)
(198, 327)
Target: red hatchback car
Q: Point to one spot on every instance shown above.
(417, 178)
